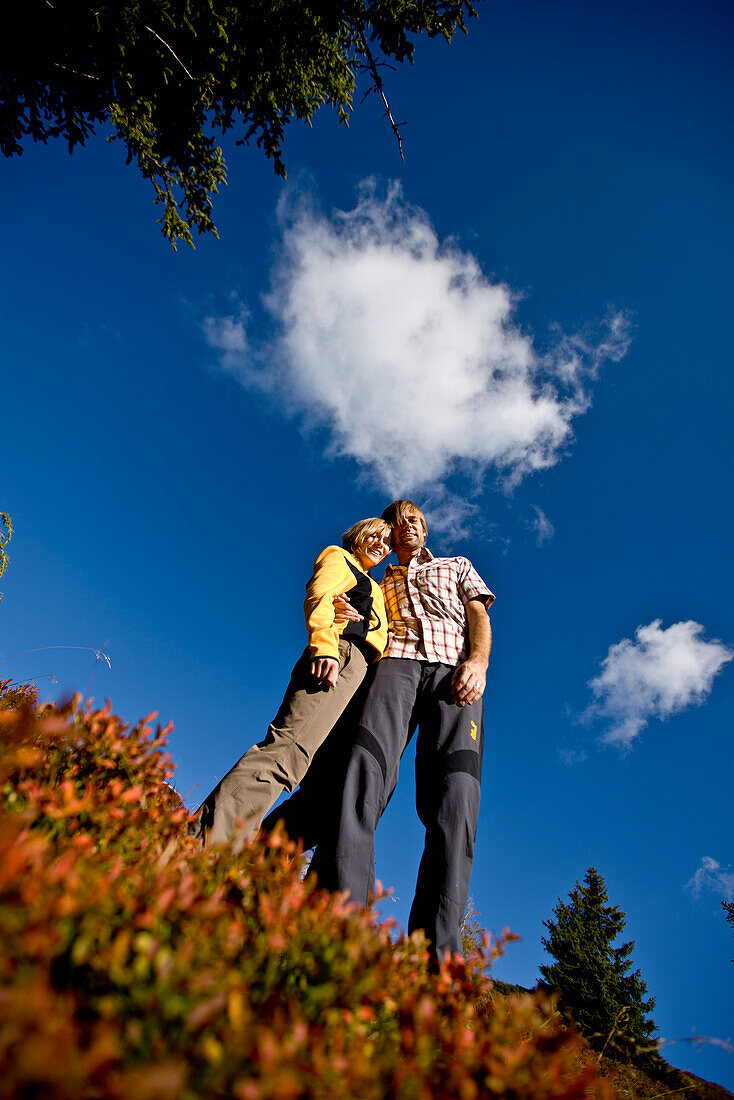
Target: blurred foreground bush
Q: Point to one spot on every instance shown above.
(136, 966)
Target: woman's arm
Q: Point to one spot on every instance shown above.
(331, 575)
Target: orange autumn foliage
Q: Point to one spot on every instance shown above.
(136, 966)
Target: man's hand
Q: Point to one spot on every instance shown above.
(343, 610)
(468, 682)
(326, 670)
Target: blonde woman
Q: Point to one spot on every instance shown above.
(324, 679)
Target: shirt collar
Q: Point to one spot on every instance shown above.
(422, 558)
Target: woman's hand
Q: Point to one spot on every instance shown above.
(343, 610)
(325, 670)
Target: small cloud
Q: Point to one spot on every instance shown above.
(542, 527)
(712, 876)
(572, 756)
(409, 357)
(449, 516)
(658, 674)
(228, 336)
(452, 519)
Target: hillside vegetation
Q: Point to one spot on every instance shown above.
(652, 1080)
(136, 966)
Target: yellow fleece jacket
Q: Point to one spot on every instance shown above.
(335, 571)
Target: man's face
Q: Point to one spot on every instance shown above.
(410, 535)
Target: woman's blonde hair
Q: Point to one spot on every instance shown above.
(354, 539)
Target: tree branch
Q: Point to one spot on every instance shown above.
(622, 1012)
(75, 72)
(172, 53)
(379, 87)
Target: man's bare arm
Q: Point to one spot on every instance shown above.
(344, 612)
(469, 680)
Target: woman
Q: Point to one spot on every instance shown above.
(322, 683)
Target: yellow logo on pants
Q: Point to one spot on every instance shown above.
(474, 731)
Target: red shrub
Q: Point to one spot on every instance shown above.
(14, 695)
(134, 965)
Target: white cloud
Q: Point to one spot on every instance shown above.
(228, 336)
(448, 514)
(542, 526)
(658, 674)
(407, 353)
(712, 876)
(572, 756)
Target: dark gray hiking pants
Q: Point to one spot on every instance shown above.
(405, 695)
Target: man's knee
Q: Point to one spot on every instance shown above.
(367, 746)
(363, 787)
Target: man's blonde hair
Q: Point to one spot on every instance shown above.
(394, 514)
(354, 539)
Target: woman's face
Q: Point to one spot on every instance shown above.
(373, 550)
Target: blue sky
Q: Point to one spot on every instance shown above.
(172, 474)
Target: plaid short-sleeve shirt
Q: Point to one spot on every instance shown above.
(425, 603)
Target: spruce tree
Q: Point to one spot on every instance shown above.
(606, 1001)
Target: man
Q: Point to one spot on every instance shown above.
(431, 678)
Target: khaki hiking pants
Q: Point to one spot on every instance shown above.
(237, 805)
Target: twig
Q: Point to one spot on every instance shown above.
(712, 1039)
(31, 679)
(174, 55)
(372, 88)
(684, 1088)
(93, 673)
(379, 86)
(5, 522)
(90, 649)
(622, 1012)
(75, 72)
